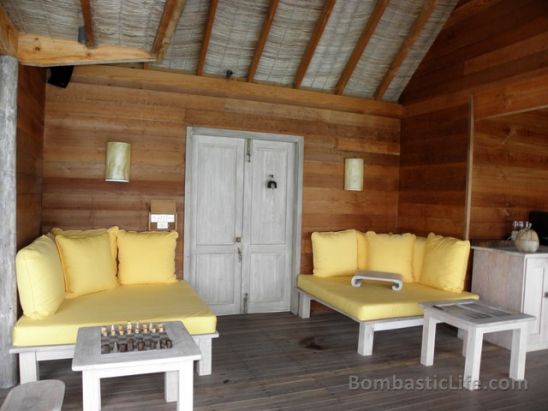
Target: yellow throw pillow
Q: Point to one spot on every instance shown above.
(391, 253)
(418, 257)
(112, 232)
(146, 257)
(40, 278)
(362, 251)
(445, 263)
(87, 264)
(335, 253)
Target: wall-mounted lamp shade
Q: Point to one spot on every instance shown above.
(353, 174)
(118, 162)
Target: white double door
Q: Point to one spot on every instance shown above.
(241, 229)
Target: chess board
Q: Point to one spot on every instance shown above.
(119, 338)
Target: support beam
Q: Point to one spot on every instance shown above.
(88, 22)
(8, 35)
(8, 200)
(314, 40)
(207, 37)
(173, 9)
(361, 44)
(43, 51)
(414, 33)
(267, 25)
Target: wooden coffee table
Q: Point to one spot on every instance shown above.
(475, 319)
(177, 363)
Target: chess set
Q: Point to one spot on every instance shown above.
(118, 338)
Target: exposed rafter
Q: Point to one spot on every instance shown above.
(207, 37)
(414, 33)
(361, 44)
(314, 40)
(88, 22)
(267, 25)
(8, 35)
(44, 51)
(168, 23)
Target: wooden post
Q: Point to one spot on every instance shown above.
(8, 248)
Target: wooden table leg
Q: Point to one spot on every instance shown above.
(171, 385)
(428, 340)
(518, 353)
(91, 391)
(474, 342)
(186, 387)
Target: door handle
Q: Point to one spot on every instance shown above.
(238, 239)
(239, 255)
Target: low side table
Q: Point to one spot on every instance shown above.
(475, 319)
(177, 363)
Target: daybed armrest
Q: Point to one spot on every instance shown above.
(395, 279)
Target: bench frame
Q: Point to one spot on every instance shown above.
(367, 328)
(30, 357)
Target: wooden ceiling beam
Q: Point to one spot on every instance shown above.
(361, 44)
(173, 9)
(8, 35)
(207, 36)
(88, 22)
(41, 51)
(314, 40)
(267, 25)
(412, 36)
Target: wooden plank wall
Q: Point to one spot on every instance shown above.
(485, 47)
(151, 110)
(30, 131)
(510, 174)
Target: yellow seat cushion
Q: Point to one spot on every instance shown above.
(40, 279)
(392, 253)
(445, 262)
(418, 257)
(362, 251)
(146, 257)
(87, 264)
(335, 253)
(373, 300)
(147, 303)
(112, 232)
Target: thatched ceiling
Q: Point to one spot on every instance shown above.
(329, 54)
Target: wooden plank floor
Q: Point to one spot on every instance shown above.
(280, 362)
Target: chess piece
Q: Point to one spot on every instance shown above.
(104, 332)
(115, 347)
(140, 345)
(161, 327)
(130, 345)
(169, 343)
(105, 348)
(136, 328)
(112, 332)
(129, 328)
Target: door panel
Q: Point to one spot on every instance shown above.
(268, 211)
(266, 285)
(217, 189)
(267, 238)
(215, 282)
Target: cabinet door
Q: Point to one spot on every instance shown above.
(534, 301)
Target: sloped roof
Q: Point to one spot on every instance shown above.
(237, 28)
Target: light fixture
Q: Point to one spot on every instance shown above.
(118, 162)
(353, 174)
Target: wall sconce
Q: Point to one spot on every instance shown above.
(118, 162)
(353, 174)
